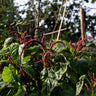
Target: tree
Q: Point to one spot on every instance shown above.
(8, 16)
(48, 14)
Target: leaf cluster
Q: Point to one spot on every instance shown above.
(31, 68)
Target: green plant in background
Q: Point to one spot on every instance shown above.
(9, 15)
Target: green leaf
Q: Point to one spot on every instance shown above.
(4, 50)
(67, 45)
(51, 78)
(61, 71)
(33, 94)
(4, 62)
(81, 66)
(48, 86)
(26, 59)
(64, 89)
(44, 73)
(50, 82)
(8, 49)
(7, 75)
(32, 50)
(21, 91)
(20, 49)
(72, 75)
(11, 92)
(79, 84)
(13, 69)
(58, 47)
(0, 77)
(4, 91)
(14, 50)
(29, 70)
(7, 41)
(2, 84)
(91, 45)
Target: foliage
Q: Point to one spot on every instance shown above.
(28, 67)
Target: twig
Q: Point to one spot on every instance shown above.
(53, 32)
(61, 21)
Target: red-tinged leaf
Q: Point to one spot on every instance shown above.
(90, 75)
(80, 47)
(23, 36)
(74, 44)
(73, 48)
(93, 77)
(87, 86)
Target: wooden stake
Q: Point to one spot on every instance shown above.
(62, 21)
(82, 23)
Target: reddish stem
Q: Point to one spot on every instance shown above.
(72, 46)
(55, 43)
(82, 41)
(87, 88)
(42, 39)
(42, 46)
(27, 29)
(17, 34)
(32, 35)
(49, 52)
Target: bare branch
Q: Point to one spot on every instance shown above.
(54, 32)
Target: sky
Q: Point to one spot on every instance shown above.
(90, 5)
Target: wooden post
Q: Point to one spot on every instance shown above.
(82, 23)
(62, 20)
